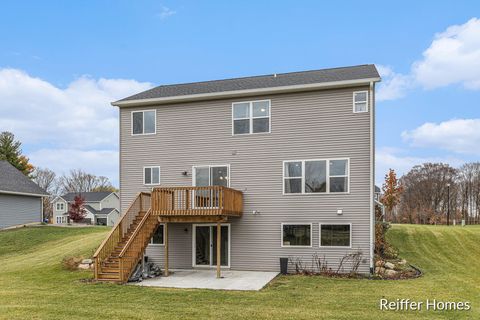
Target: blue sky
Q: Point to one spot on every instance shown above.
(61, 63)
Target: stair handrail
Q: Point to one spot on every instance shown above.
(126, 247)
(116, 234)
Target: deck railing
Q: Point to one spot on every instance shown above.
(197, 201)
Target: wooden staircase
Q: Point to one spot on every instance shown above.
(120, 252)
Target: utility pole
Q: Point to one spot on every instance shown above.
(448, 204)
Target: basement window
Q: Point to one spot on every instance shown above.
(335, 235)
(159, 236)
(296, 235)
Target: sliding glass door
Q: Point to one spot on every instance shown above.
(205, 245)
(204, 176)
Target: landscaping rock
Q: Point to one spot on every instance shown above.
(379, 270)
(87, 261)
(402, 262)
(379, 263)
(389, 265)
(84, 266)
(390, 273)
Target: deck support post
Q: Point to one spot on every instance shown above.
(219, 238)
(166, 249)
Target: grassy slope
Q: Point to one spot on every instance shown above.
(33, 284)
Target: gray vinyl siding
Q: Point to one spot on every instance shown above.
(308, 125)
(19, 209)
(111, 201)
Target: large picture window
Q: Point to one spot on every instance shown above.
(143, 122)
(151, 175)
(335, 235)
(159, 236)
(251, 117)
(296, 235)
(316, 176)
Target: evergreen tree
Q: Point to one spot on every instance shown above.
(10, 150)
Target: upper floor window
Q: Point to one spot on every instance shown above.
(144, 122)
(251, 117)
(60, 206)
(316, 176)
(360, 101)
(151, 175)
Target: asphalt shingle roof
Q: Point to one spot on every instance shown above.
(88, 196)
(94, 211)
(367, 71)
(12, 180)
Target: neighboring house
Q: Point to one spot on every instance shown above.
(378, 193)
(279, 165)
(102, 207)
(20, 197)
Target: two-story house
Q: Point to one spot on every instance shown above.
(102, 208)
(238, 173)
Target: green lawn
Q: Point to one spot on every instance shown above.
(33, 284)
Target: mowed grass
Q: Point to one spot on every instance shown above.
(33, 284)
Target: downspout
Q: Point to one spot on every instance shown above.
(372, 176)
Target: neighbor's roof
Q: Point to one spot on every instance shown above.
(15, 182)
(354, 74)
(95, 211)
(377, 189)
(88, 196)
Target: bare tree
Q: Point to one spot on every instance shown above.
(424, 197)
(469, 191)
(79, 181)
(47, 180)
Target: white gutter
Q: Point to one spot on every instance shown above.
(24, 193)
(372, 176)
(238, 93)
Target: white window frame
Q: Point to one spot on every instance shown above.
(63, 219)
(358, 102)
(158, 244)
(297, 224)
(251, 117)
(337, 224)
(143, 122)
(151, 172)
(327, 176)
(210, 166)
(213, 251)
(63, 206)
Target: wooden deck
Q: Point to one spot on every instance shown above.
(196, 204)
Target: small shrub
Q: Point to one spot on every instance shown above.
(71, 263)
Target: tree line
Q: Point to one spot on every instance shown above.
(433, 193)
(76, 180)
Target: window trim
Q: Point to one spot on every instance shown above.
(143, 122)
(300, 224)
(158, 244)
(355, 102)
(63, 206)
(251, 117)
(327, 176)
(338, 224)
(151, 171)
(210, 166)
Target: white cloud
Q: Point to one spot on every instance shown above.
(78, 117)
(397, 159)
(453, 57)
(166, 12)
(393, 85)
(458, 135)
(98, 162)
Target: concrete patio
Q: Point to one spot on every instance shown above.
(206, 279)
